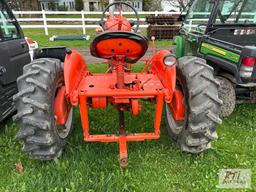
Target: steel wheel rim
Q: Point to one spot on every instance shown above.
(64, 130)
(175, 126)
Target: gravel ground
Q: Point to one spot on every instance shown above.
(91, 59)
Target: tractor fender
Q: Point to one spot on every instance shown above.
(166, 74)
(74, 69)
(180, 46)
(51, 52)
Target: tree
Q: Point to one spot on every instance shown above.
(181, 3)
(52, 5)
(13, 4)
(79, 5)
(103, 4)
(152, 5)
(111, 9)
(24, 5)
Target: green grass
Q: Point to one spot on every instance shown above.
(153, 165)
(39, 36)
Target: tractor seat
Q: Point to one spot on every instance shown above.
(111, 43)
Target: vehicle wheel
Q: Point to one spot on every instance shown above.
(228, 95)
(38, 86)
(202, 106)
(7, 108)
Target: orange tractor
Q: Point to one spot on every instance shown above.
(49, 89)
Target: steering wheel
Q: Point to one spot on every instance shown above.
(137, 22)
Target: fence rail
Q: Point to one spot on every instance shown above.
(88, 20)
(42, 22)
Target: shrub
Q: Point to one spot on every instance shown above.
(62, 8)
(79, 5)
(52, 6)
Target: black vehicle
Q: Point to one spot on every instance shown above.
(224, 33)
(14, 54)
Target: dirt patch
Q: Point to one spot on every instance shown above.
(91, 59)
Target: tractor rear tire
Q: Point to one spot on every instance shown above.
(227, 94)
(202, 106)
(38, 86)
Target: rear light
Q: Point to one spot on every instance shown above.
(247, 67)
(99, 30)
(29, 41)
(248, 61)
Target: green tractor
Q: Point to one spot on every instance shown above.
(223, 32)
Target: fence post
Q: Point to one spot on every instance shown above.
(83, 22)
(45, 22)
(156, 13)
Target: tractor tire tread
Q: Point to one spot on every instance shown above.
(34, 103)
(41, 124)
(203, 106)
(26, 91)
(228, 95)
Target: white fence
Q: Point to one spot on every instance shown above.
(85, 20)
(43, 19)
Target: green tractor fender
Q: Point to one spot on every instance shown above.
(180, 46)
